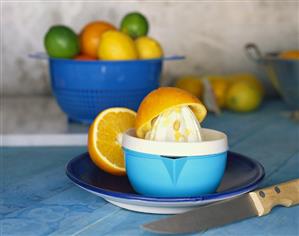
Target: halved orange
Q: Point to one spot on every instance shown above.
(104, 139)
(160, 100)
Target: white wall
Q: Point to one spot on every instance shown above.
(210, 33)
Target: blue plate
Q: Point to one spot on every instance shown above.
(242, 175)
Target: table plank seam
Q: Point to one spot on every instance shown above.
(267, 177)
(260, 128)
(43, 199)
(96, 222)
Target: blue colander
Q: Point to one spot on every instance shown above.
(85, 88)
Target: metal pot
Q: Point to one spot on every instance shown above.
(283, 73)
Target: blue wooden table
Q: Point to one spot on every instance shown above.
(38, 199)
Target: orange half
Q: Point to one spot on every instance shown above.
(162, 99)
(104, 139)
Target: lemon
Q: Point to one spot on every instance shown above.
(115, 45)
(219, 85)
(190, 83)
(243, 97)
(249, 78)
(148, 48)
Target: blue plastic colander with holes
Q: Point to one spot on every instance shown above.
(84, 88)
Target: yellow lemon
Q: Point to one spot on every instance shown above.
(219, 85)
(190, 83)
(249, 78)
(243, 97)
(148, 48)
(115, 45)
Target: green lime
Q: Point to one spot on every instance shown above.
(135, 25)
(61, 42)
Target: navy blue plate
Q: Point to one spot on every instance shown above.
(242, 175)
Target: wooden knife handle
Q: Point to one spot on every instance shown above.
(285, 194)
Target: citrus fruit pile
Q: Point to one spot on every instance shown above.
(100, 40)
(236, 92)
(291, 54)
(105, 133)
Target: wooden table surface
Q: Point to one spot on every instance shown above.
(38, 199)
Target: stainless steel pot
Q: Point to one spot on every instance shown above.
(283, 73)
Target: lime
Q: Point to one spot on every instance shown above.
(135, 25)
(243, 97)
(61, 42)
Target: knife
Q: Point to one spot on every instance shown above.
(256, 203)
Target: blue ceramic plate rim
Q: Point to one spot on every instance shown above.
(207, 197)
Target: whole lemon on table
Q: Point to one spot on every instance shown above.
(148, 48)
(249, 78)
(219, 85)
(61, 42)
(90, 37)
(115, 45)
(134, 24)
(190, 83)
(243, 97)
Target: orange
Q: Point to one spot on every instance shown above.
(104, 139)
(292, 54)
(162, 99)
(90, 37)
(82, 57)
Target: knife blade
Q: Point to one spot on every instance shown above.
(256, 203)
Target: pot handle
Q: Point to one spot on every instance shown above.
(253, 52)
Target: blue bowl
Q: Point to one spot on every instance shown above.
(168, 169)
(283, 73)
(85, 88)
